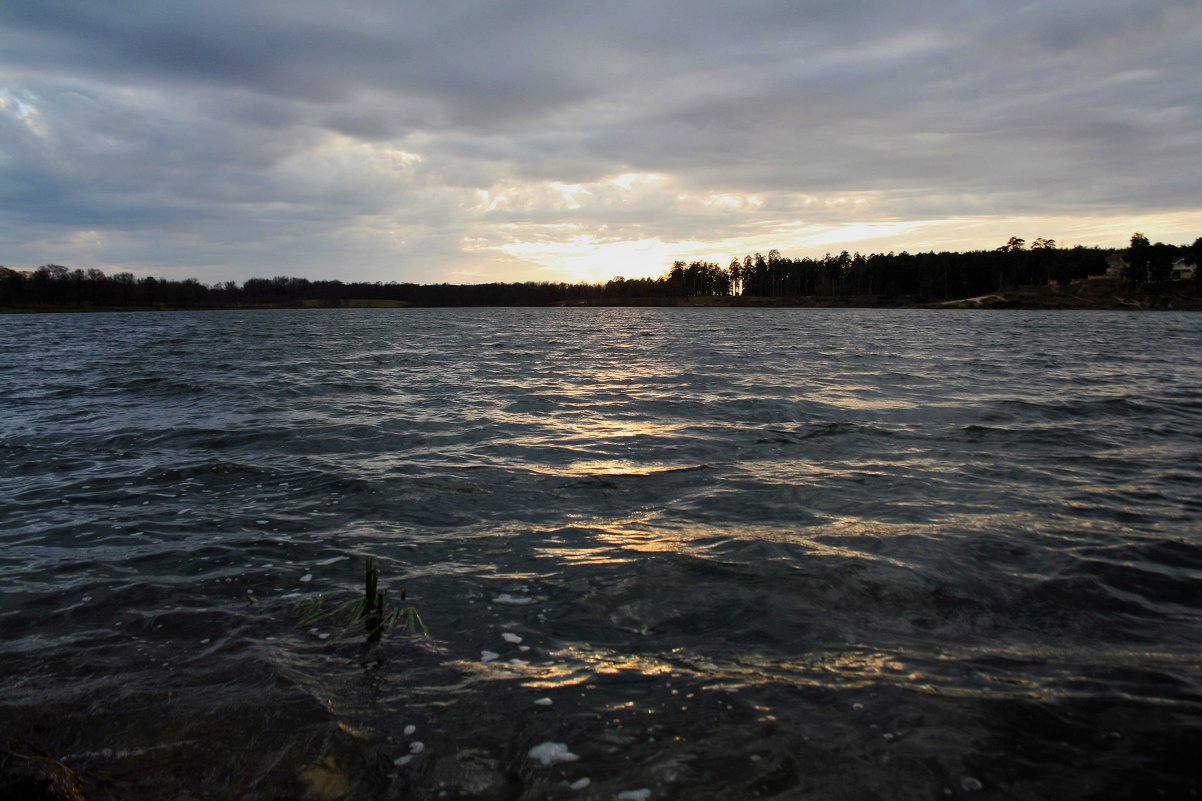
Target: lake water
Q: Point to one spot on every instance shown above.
(711, 553)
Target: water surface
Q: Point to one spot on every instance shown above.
(787, 553)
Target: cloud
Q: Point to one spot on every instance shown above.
(376, 140)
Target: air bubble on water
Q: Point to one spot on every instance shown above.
(580, 784)
(970, 785)
(544, 701)
(509, 636)
(512, 600)
(325, 635)
(488, 656)
(405, 760)
(523, 648)
(410, 729)
(416, 747)
(550, 753)
(307, 577)
(641, 794)
(857, 706)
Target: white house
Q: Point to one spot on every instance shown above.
(1183, 270)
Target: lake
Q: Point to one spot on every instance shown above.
(661, 553)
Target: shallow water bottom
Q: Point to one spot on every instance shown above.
(275, 710)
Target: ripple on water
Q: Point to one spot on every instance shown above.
(725, 552)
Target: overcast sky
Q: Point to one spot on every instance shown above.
(554, 140)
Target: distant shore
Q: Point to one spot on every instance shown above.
(1096, 294)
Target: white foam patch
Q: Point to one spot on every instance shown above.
(307, 577)
(488, 656)
(550, 753)
(509, 636)
(410, 729)
(405, 760)
(580, 784)
(416, 747)
(512, 600)
(641, 794)
(543, 701)
(329, 561)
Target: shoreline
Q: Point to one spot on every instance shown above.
(1095, 295)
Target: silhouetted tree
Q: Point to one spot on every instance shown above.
(1138, 256)
(1160, 262)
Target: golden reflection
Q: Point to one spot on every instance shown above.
(643, 541)
(576, 665)
(585, 556)
(849, 539)
(618, 543)
(617, 467)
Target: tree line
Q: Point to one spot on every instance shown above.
(883, 278)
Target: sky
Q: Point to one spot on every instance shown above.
(554, 140)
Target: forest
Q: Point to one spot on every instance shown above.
(885, 279)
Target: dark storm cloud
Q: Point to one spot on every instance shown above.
(402, 129)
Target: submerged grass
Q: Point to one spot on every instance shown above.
(371, 610)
